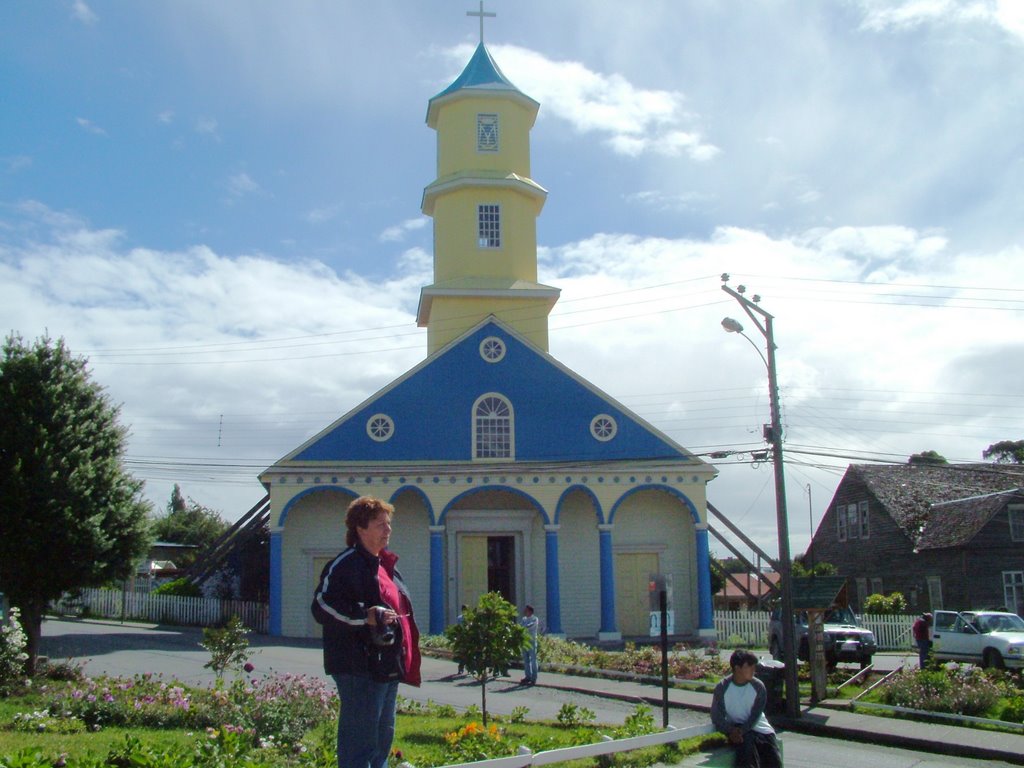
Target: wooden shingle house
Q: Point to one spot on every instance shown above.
(946, 536)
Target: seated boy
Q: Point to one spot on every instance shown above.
(737, 710)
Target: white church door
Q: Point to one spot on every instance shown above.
(632, 601)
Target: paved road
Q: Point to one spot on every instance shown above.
(114, 649)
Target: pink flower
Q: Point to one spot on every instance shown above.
(248, 667)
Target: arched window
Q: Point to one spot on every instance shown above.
(492, 428)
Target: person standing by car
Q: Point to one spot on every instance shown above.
(737, 710)
(371, 642)
(921, 630)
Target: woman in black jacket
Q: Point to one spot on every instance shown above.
(371, 642)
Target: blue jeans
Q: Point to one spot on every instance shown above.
(366, 722)
(530, 664)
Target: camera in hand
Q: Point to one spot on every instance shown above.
(382, 634)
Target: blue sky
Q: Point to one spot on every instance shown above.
(218, 204)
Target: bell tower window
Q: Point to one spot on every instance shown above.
(488, 218)
(486, 133)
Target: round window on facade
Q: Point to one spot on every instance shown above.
(603, 427)
(380, 427)
(492, 349)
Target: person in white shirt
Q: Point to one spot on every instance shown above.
(737, 710)
(532, 625)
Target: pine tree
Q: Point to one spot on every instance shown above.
(71, 516)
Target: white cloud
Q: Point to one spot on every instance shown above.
(90, 126)
(81, 12)
(15, 163)
(242, 184)
(397, 233)
(635, 120)
(881, 15)
(206, 126)
(165, 116)
(324, 213)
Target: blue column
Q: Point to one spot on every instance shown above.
(607, 579)
(436, 579)
(705, 615)
(275, 583)
(554, 591)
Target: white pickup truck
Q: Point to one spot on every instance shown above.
(989, 638)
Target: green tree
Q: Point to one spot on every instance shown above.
(894, 602)
(927, 457)
(188, 523)
(1005, 452)
(801, 569)
(487, 641)
(71, 515)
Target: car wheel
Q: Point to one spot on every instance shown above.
(865, 662)
(775, 649)
(992, 659)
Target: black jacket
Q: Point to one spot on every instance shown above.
(348, 588)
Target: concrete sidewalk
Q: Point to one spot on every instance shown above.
(829, 718)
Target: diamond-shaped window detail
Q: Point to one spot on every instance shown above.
(603, 427)
(380, 427)
(492, 349)
(486, 133)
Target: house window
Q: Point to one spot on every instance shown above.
(492, 428)
(1016, 522)
(862, 591)
(876, 586)
(852, 522)
(488, 219)
(841, 522)
(862, 511)
(486, 133)
(1013, 591)
(935, 592)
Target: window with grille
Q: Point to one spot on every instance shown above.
(862, 510)
(486, 133)
(489, 226)
(841, 522)
(492, 428)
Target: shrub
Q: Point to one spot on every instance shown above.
(954, 689)
(181, 587)
(475, 742)
(227, 645)
(573, 716)
(1013, 710)
(892, 603)
(12, 651)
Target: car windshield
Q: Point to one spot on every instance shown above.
(840, 616)
(1003, 622)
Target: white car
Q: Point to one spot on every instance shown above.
(988, 638)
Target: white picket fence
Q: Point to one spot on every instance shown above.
(891, 631)
(164, 609)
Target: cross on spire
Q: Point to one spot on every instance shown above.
(481, 13)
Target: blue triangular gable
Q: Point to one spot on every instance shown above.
(431, 410)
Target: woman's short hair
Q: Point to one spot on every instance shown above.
(360, 513)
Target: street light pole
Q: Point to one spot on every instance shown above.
(763, 321)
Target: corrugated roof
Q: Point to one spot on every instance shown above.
(942, 505)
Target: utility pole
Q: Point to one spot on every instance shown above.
(773, 434)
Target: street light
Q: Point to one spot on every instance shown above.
(773, 434)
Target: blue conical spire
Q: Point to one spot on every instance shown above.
(480, 72)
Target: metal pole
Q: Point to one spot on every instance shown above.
(785, 568)
(810, 542)
(782, 517)
(663, 606)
